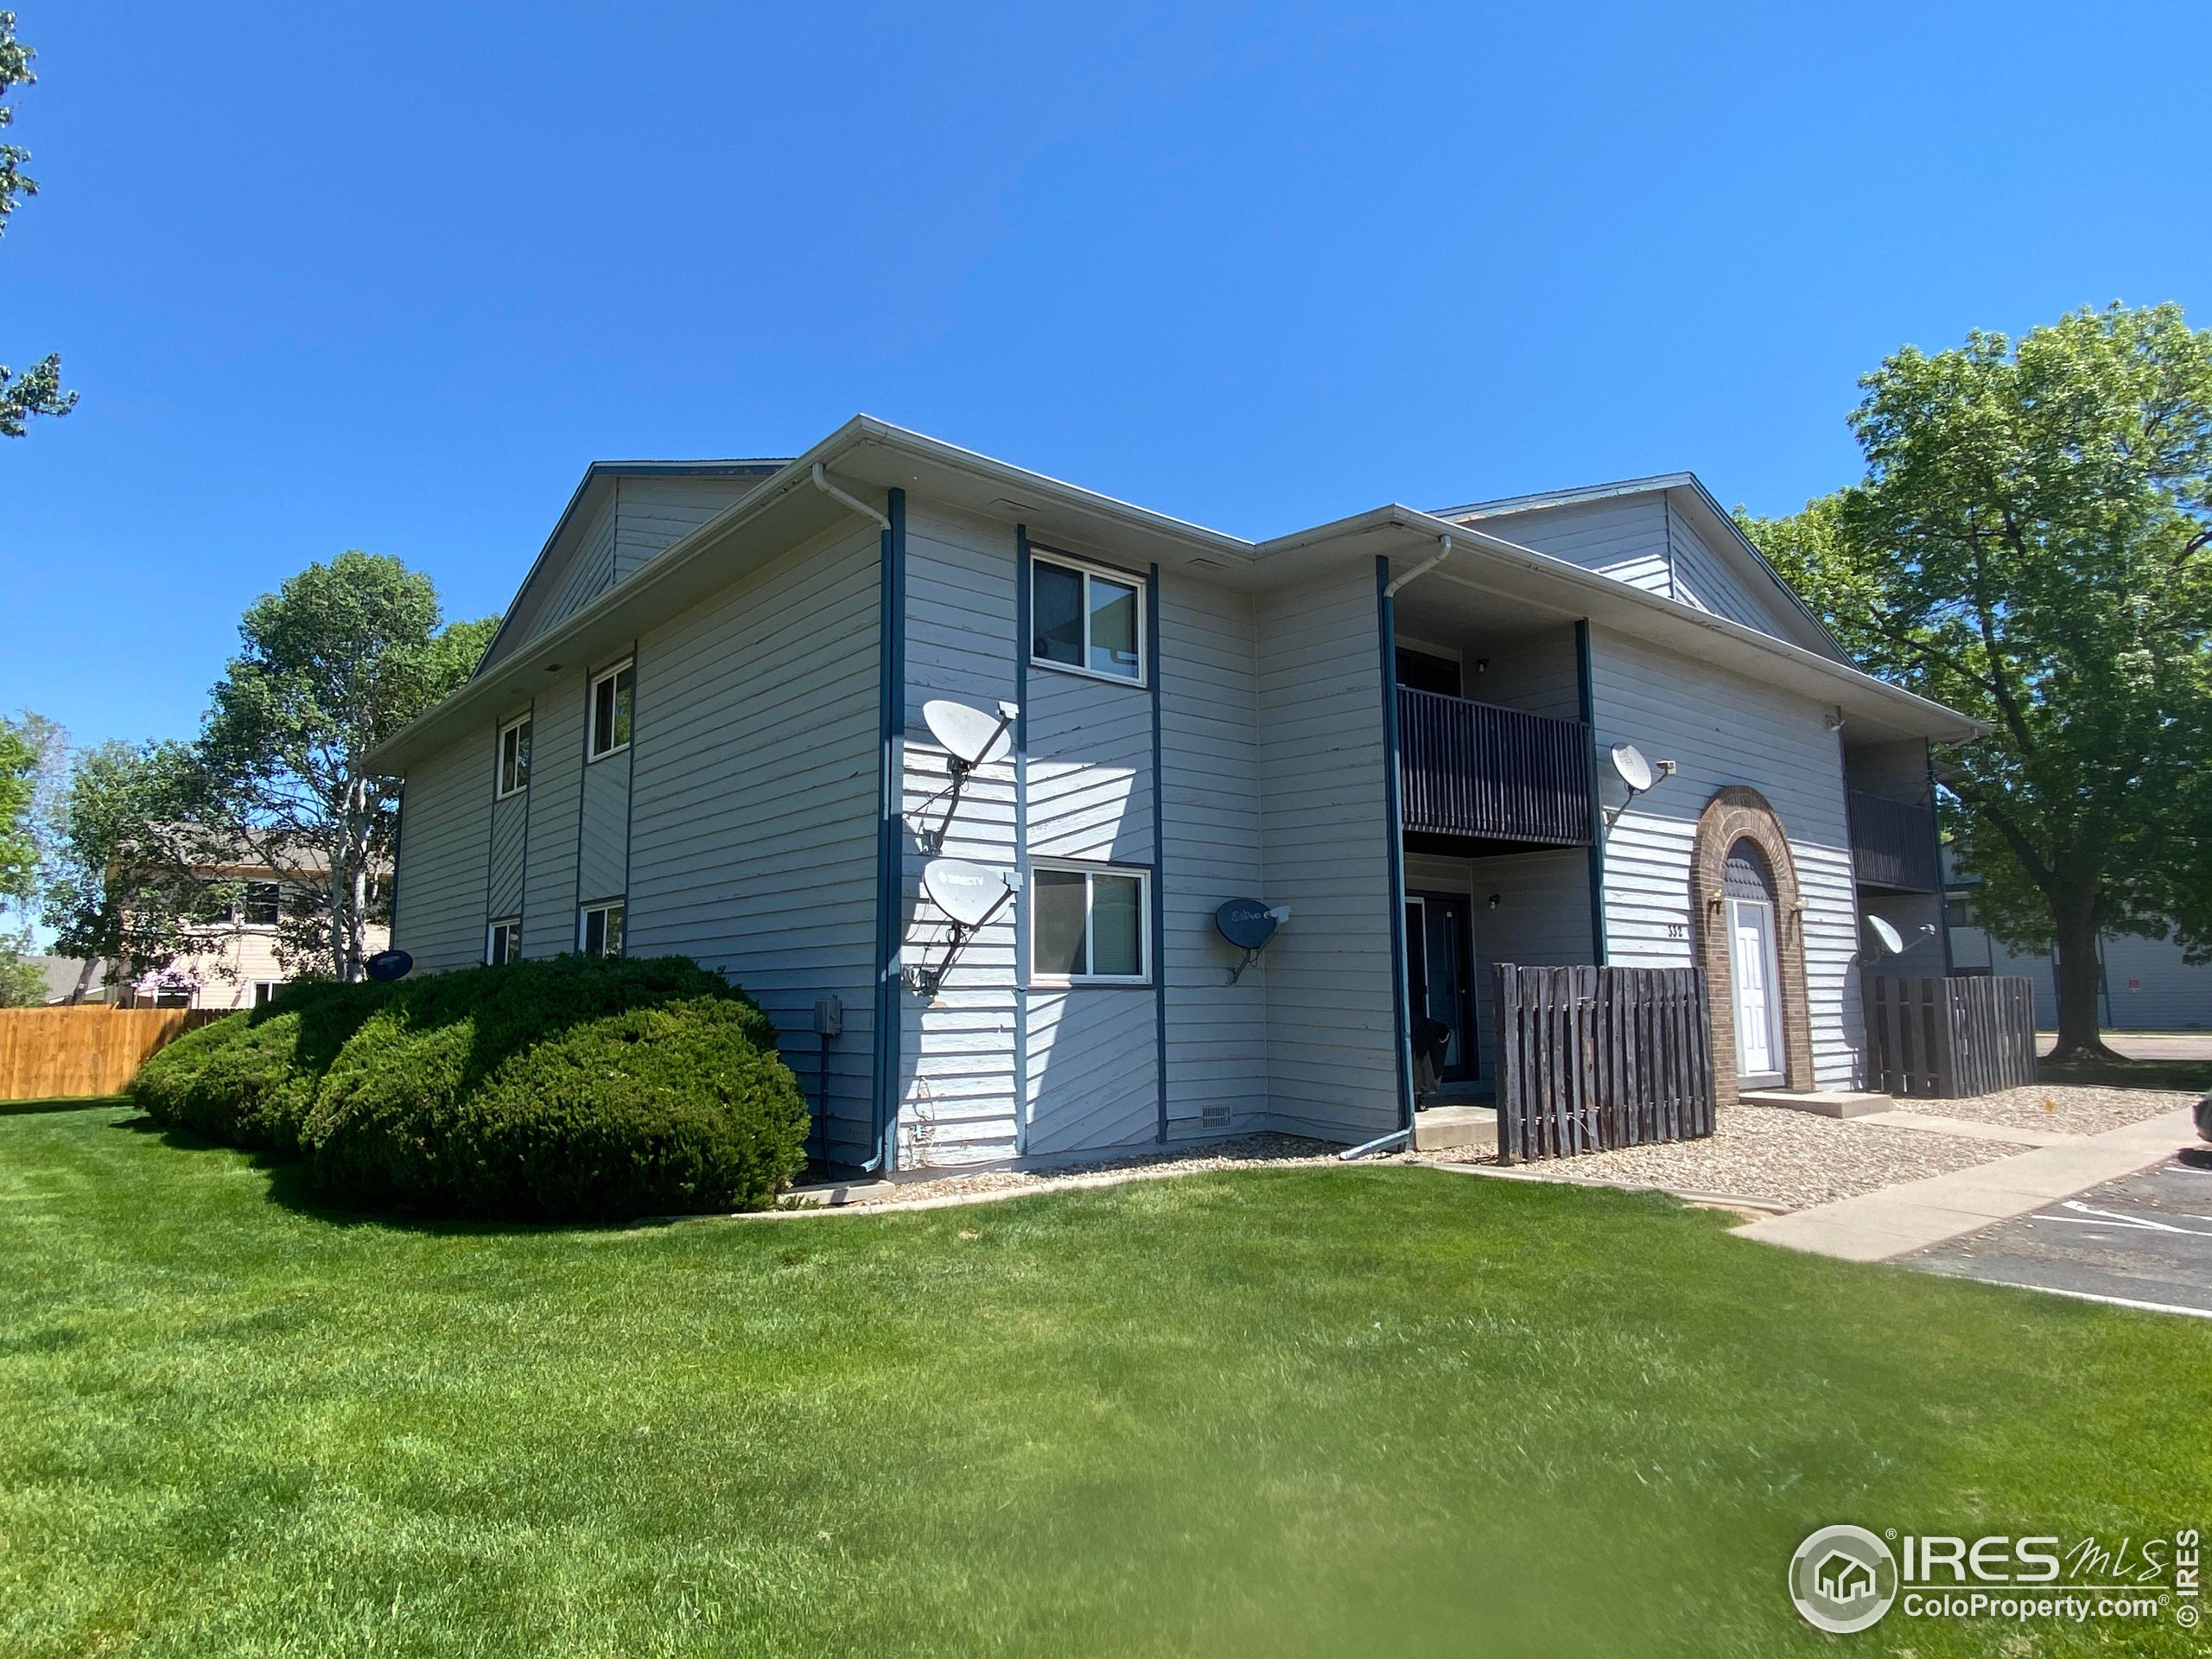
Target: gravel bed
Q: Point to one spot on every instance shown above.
(2065, 1110)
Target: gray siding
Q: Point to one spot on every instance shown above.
(2149, 986)
(445, 822)
(753, 836)
(1088, 771)
(603, 828)
(1541, 918)
(653, 514)
(557, 770)
(503, 875)
(1708, 579)
(1538, 675)
(1722, 729)
(1331, 1015)
(588, 572)
(1092, 1079)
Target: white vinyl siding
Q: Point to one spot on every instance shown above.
(444, 821)
(1723, 729)
(1331, 1019)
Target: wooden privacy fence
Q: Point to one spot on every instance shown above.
(1591, 1058)
(56, 1054)
(1950, 1038)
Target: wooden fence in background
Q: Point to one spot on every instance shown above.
(57, 1053)
(1591, 1058)
(1951, 1038)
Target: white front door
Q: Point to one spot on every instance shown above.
(1750, 953)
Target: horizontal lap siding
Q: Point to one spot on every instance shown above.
(557, 768)
(1332, 1014)
(958, 1100)
(1093, 1081)
(1721, 729)
(653, 514)
(1624, 538)
(1540, 677)
(1703, 578)
(1216, 1031)
(590, 572)
(603, 835)
(752, 829)
(503, 880)
(444, 823)
(1089, 769)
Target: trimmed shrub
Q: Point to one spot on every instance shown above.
(572, 1089)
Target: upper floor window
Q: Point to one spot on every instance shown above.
(262, 904)
(1085, 620)
(514, 756)
(613, 695)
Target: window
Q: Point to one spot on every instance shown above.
(502, 942)
(1087, 925)
(600, 932)
(262, 904)
(264, 992)
(613, 695)
(514, 756)
(1081, 620)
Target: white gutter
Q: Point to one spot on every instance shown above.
(1421, 569)
(822, 484)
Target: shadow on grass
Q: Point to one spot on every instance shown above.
(291, 1186)
(61, 1103)
(2188, 1076)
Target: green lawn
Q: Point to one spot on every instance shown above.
(1361, 1410)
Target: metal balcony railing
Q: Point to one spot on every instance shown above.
(1893, 844)
(1479, 772)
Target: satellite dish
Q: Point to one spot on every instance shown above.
(967, 893)
(388, 965)
(1634, 771)
(1245, 923)
(1886, 935)
(970, 736)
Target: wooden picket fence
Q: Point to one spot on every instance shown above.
(1951, 1038)
(63, 1053)
(1591, 1058)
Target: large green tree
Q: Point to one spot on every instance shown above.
(119, 887)
(37, 389)
(2032, 544)
(334, 662)
(20, 754)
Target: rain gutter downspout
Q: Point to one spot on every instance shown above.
(1421, 569)
(822, 484)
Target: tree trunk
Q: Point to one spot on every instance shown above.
(2078, 918)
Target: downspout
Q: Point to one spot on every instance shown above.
(1022, 643)
(1943, 881)
(1588, 700)
(890, 873)
(1394, 829)
(1444, 552)
(1156, 923)
(821, 483)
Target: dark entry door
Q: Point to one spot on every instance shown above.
(1439, 973)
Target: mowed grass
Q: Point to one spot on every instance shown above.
(1359, 1410)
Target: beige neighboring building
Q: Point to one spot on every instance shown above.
(232, 963)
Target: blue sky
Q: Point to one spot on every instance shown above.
(389, 277)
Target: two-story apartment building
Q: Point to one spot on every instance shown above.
(702, 730)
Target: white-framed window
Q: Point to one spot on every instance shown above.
(598, 929)
(514, 757)
(265, 991)
(261, 904)
(1089, 925)
(613, 694)
(502, 942)
(1087, 621)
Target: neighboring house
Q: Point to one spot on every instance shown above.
(233, 961)
(701, 730)
(65, 976)
(2143, 984)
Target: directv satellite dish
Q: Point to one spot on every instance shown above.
(1634, 771)
(1886, 935)
(388, 965)
(967, 893)
(1245, 923)
(970, 736)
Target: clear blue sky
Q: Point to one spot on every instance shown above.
(389, 276)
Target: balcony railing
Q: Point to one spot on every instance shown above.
(1893, 844)
(1477, 772)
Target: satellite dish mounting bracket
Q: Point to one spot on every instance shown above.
(930, 837)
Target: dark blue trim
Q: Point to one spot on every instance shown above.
(629, 793)
(1589, 704)
(1021, 623)
(1158, 920)
(1394, 829)
(890, 653)
(398, 834)
(1934, 811)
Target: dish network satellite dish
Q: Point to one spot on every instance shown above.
(1886, 935)
(1634, 771)
(1248, 925)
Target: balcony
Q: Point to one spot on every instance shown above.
(1893, 844)
(1473, 773)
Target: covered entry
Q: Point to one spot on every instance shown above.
(1749, 915)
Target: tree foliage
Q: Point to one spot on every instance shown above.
(118, 882)
(2032, 544)
(37, 389)
(336, 661)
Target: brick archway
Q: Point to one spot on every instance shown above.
(1736, 813)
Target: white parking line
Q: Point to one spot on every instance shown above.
(2114, 1301)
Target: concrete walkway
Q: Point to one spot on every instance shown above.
(1970, 1128)
(1898, 1220)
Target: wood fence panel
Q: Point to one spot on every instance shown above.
(1591, 1059)
(79, 1053)
(1950, 1038)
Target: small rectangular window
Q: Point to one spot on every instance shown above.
(265, 991)
(262, 904)
(1083, 619)
(514, 756)
(612, 696)
(502, 942)
(600, 932)
(1087, 926)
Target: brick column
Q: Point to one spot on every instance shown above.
(1737, 813)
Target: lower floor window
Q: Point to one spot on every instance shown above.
(600, 932)
(503, 943)
(265, 991)
(1088, 924)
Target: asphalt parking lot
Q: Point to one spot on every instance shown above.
(2145, 1241)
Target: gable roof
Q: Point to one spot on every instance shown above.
(1716, 525)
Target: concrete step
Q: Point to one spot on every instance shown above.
(1442, 1128)
(1836, 1102)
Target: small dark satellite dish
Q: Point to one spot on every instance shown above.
(388, 965)
(1246, 923)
